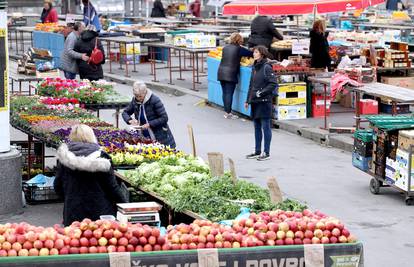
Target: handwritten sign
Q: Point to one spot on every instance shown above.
(300, 47)
(70, 18)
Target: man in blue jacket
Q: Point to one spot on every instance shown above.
(150, 115)
(90, 16)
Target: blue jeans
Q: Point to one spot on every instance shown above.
(228, 91)
(262, 128)
(70, 75)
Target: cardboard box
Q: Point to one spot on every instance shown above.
(346, 101)
(405, 139)
(291, 87)
(290, 112)
(406, 82)
(397, 172)
(129, 49)
(291, 98)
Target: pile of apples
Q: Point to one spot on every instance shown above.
(88, 236)
(264, 229)
(270, 228)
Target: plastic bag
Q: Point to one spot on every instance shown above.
(244, 214)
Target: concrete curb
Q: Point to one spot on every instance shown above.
(318, 135)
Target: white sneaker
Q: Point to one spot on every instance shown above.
(233, 116)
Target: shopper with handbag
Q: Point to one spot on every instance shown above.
(85, 178)
(90, 45)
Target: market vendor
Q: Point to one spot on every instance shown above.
(85, 178)
(319, 46)
(150, 114)
(158, 10)
(49, 14)
(262, 32)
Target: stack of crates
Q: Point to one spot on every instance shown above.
(363, 148)
(291, 102)
(385, 146)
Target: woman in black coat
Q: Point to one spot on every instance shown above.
(228, 71)
(262, 32)
(150, 114)
(319, 46)
(263, 87)
(85, 178)
(85, 45)
(158, 10)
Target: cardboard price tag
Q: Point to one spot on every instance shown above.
(300, 47)
(120, 259)
(208, 257)
(314, 255)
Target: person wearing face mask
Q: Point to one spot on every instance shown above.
(263, 87)
(49, 14)
(150, 115)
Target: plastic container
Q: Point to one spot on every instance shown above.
(37, 195)
(107, 217)
(361, 162)
(368, 106)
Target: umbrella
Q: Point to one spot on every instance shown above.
(294, 7)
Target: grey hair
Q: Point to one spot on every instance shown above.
(91, 27)
(139, 87)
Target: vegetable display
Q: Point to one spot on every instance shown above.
(186, 184)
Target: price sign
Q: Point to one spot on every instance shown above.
(300, 47)
(70, 18)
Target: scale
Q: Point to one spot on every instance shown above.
(139, 212)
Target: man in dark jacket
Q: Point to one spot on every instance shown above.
(85, 179)
(85, 45)
(262, 32)
(158, 10)
(150, 115)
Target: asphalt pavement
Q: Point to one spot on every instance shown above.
(322, 177)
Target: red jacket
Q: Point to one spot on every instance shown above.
(52, 17)
(195, 9)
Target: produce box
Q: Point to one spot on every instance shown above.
(405, 139)
(290, 112)
(291, 98)
(406, 82)
(130, 49)
(397, 172)
(360, 162)
(292, 87)
(319, 111)
(401, 108)
(325, 255)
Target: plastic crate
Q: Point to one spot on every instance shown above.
(363, 148)
(364, 135)
(401, 108)
(37, 195)
(36, 159)
(360, 162)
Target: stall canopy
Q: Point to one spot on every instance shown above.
(294, 7)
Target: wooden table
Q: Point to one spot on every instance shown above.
(194, 57)
(395, 94)
(124, 40)
(21, 78)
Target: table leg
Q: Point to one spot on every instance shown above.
(9, 39)
(109, 55)
(194, 74)
(197, 68)
(179, 65)
(170, 65)
(29, 154)
(31, 38)
(133, 52)
(17, 45)
(20, 87)
(12, 86)
(202, 62)
(120, 55)
(357, 112)
(97, 113)
(394, 110)
(22, 37)
(324, 110)
(117, 118)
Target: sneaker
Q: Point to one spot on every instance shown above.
(234, 117)
(227, 115)
(253, 156)
(263, 157)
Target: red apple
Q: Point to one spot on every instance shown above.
(289, 241)
(93, 242)
(281, 235)
(307, 241)
(147, 248)
(23, 253)
(93, 250)
(138, 248)
(97, 233)
(88, 234)
(351, 239)
(316, 240)
(345, 232)
(318, 233)
(37, 244)
(43, 252)
(102, 249)
(102, 241)
(142, 240)
(333, 239)
(121, 249)
(290, 234)
(336, 232)
(111, 248)
(33, 252)
(343, 239)
(13, 253)
(73, 250)
(280, 242)
(284, 226)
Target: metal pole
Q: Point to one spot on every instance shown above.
(4, 88)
